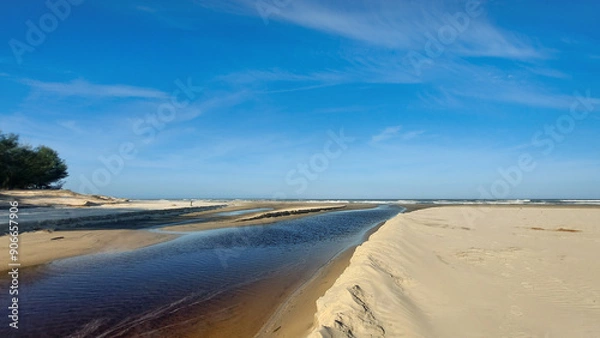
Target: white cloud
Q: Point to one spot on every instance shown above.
(277, 75)
(513, 92)
(548, 72)
(214, 103)
(71, 126)
(83, 88)
(396, 25)
(412, 134)
(386, 134)
(395, 132)
(357, 70)
(382, 34)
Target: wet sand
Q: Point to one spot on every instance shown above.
(42, 247)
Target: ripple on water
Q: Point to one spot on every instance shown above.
(112, 293)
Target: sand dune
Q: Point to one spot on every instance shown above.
(471, 272)
(53, 198)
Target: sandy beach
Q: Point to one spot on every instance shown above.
(449, 271)
(468, 271)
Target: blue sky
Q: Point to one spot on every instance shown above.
(309, 99)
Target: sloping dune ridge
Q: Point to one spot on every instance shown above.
(465, 271)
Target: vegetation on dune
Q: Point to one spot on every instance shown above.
(24, 167)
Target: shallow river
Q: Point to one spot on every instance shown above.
(159, 289)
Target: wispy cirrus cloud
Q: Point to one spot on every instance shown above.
(547, 72)
(278, 75)
(71, 125)
(380, 35)
(395, 132)
(505, 93)
(397, 25)
(386, 134)
(412, 134)
(83, 88)
(465, 84)
(364, 73)
(215, 103)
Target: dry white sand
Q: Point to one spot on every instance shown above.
(472, 272)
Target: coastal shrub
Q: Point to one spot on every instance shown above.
(24, 167)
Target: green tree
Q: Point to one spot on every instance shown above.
(9, 152)
(22, 167)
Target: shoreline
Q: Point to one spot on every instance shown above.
(40, 248)
(295, 316)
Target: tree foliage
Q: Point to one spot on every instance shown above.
(24, 167)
